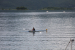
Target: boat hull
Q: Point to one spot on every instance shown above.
(33, 31)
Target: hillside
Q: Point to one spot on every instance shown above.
(36, 4)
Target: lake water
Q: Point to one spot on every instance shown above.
(14, 27)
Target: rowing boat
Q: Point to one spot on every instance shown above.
(33, 31)
(38, 31)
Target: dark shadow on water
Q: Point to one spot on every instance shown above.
(33, 33)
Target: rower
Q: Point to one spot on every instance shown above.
(33, 29)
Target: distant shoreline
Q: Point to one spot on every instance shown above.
(56, 8)
(41, 9)
(46, 8)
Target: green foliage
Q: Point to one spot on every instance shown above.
(57, 8)
(21, 8)
(2, 8)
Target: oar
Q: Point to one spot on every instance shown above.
(25, 29)
(71, 41)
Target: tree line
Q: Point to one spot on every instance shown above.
(17, 8)
(21, 8)
(46, 8)
(57, 8)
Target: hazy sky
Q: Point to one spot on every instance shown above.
(36, 4)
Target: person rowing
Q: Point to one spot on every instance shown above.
(33, 29)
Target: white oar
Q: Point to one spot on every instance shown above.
(71, 41)
(25, 29)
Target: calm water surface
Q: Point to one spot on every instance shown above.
(14, 27)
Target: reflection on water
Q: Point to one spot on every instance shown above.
(14, 27)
